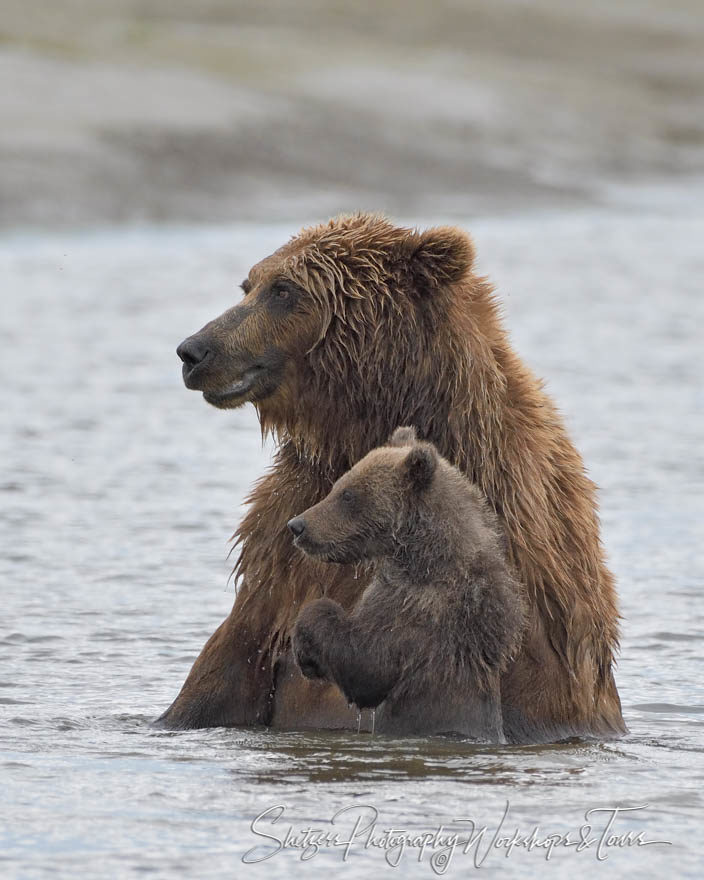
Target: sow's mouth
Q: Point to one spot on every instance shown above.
(238, 391)
(206, 369)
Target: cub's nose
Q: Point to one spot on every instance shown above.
(192, 352)
(297, 525)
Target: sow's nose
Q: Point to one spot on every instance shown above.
(192, 352)
(297, 525)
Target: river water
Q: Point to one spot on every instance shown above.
(119, 490)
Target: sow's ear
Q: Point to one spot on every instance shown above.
(420, 465)
(403, 437)
(439, 256)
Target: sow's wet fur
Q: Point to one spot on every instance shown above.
(442, 616)
(350, 329)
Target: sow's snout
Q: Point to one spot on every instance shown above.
(195, 352)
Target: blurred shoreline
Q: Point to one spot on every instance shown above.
(184, 112)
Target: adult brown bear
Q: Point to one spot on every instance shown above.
(350, 329)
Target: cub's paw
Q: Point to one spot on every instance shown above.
(307, 653)
(312, 633)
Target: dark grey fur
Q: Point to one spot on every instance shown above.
(442, 615)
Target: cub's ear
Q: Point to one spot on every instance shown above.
(439, 256)
(420, 465)
(403, 437)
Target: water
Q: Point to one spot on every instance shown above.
(119, 490)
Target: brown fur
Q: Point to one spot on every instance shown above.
(384, 326)
(442, 616)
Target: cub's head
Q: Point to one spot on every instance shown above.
(368, 506)
(345, 309)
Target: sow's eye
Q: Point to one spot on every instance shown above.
(347, 497)
(282, 295)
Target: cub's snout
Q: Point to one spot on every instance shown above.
(297, 525)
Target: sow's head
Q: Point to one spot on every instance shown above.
(349, 304)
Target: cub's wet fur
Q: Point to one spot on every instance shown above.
(442, 616)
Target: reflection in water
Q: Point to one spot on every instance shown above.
(331, 756)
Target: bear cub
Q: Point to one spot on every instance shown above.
(442, 616)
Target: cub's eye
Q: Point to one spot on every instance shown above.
(347, 496)
(283, 293)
